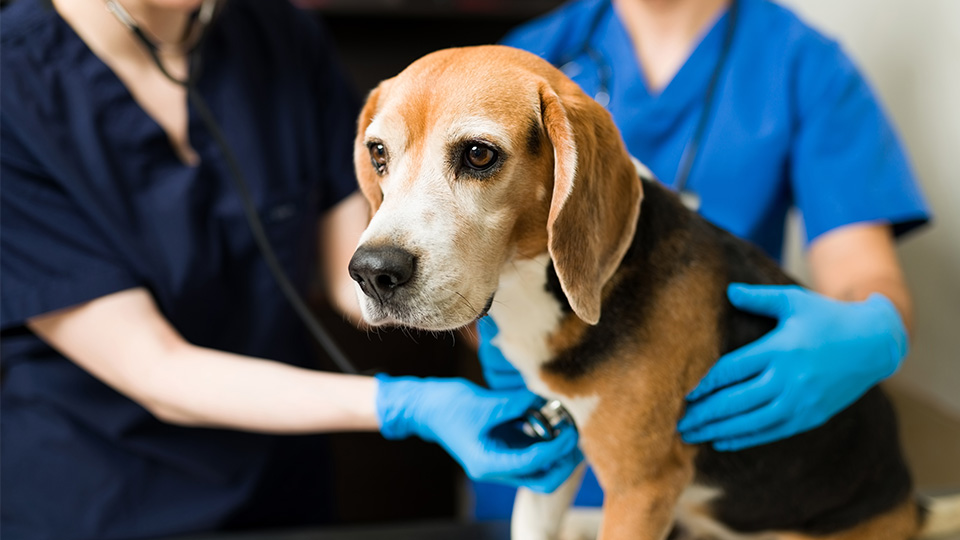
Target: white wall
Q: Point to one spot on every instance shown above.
(910, 52)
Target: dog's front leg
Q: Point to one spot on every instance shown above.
(641, 512)
(537, 516)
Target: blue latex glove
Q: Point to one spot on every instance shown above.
(822, 356)
(498, 372)
(479, 428)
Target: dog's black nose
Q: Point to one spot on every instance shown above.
(381, 270)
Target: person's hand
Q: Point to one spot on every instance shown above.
(822, 356)
(498, 372)
(479, 428)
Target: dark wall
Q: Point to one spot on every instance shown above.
(377, 48)
(380, 480)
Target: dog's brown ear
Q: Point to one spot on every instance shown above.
(366, 175)
(596, 196)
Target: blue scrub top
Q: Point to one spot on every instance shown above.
(793, 124)
(94, 201)
(793, 121)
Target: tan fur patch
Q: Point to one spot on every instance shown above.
(529, 235)
(569, 333)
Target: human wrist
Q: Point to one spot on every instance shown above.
(893, 333)
(396, 405)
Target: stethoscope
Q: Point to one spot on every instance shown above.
(571, 68)
(544, 422)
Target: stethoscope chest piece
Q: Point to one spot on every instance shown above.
(546, 422)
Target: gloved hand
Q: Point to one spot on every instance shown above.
(479, 428)
(499, 373)
(822, 356)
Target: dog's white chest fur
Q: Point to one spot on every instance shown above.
(526, 314)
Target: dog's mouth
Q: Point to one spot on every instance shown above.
(394, 313)
(486, 307)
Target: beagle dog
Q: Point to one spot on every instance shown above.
(497, 185)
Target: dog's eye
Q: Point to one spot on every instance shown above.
(378, 156)
(479, 157)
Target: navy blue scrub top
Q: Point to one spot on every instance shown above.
(95, 201)
(793, 121)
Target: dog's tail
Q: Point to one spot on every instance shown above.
(941, 515)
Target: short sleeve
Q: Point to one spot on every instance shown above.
(847, 164)
(52, 257)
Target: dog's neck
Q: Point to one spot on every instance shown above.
(526, 313)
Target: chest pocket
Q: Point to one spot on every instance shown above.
(286, 218)
(289, 221)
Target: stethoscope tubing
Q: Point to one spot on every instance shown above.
(605, 78)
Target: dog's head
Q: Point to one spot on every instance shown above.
(474, 157)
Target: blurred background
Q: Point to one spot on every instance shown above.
(908, 50)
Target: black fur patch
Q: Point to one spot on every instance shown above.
(553, 287)
(534, 136)
(819, 482)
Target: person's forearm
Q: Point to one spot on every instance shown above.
(853, 262)
(123, 340)
(891, 287)
(203, 387)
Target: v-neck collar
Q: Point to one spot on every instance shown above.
(137, 130)
(629, 85)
